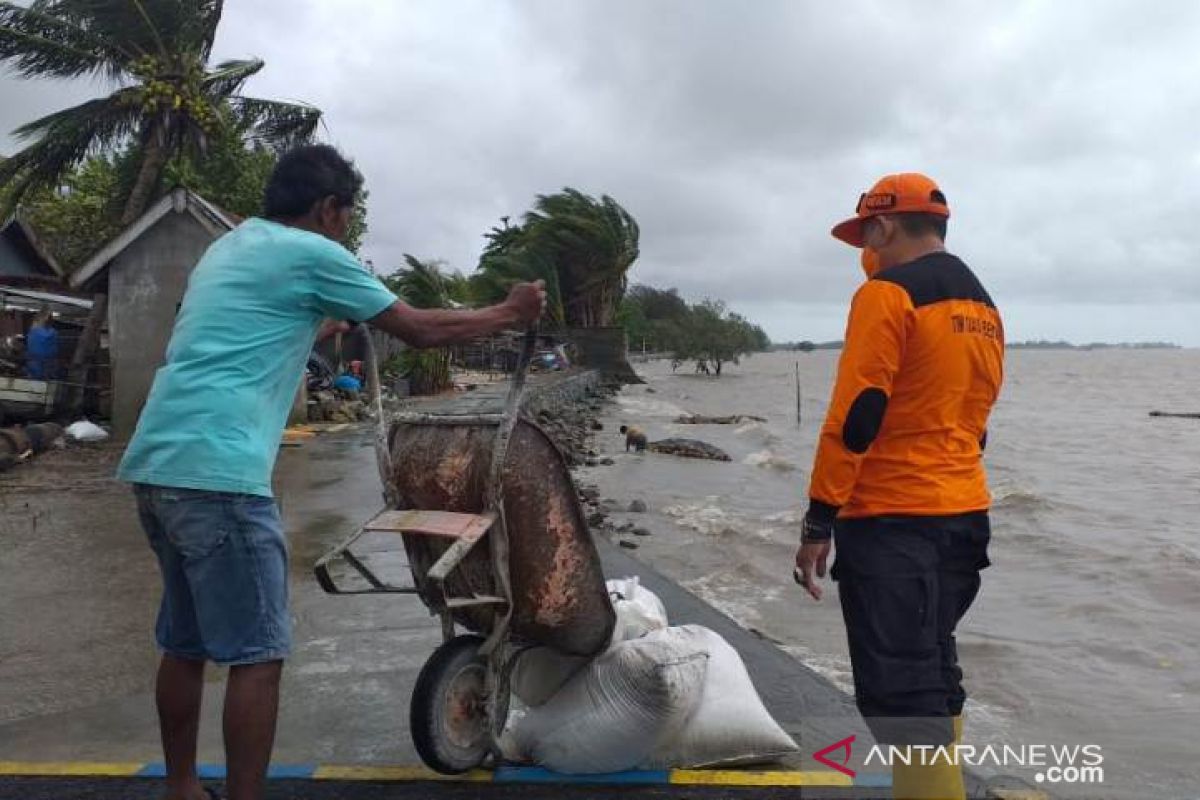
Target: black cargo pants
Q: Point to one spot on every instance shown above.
(904, 583)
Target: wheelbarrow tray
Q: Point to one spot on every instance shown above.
(559, 596)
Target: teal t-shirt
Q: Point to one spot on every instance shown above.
(218, 406)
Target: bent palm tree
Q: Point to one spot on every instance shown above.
(593, 243)
(582, 247)
(168, 99)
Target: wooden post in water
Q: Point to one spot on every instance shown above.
(797, 393)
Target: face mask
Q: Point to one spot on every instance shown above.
(870, 261)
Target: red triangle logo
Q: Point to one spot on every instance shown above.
(842, 767)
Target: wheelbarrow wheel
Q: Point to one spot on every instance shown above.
(448, 716)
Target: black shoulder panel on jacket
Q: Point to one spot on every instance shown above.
(864, 420)
(936, 277)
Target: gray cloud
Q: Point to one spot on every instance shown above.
(738, 133)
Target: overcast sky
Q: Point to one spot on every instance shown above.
(1066, 136)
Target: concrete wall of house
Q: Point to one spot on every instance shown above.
(146, 286)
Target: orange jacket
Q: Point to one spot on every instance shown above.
(920, 371)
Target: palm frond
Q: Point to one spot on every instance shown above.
(276, 124)
(228, 77)
(499, 271)
(64, 139)
(422, 284)
(187, 27)
(132, 25)
(41, 44)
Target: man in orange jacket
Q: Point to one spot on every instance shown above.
(898, 481)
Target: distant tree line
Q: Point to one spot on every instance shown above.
(807, 346)
(1043, 344)
(707, 333)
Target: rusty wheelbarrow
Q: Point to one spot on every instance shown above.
(496, 544)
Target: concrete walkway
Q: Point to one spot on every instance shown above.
(77, 656)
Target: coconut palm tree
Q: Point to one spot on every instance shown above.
(581, 246)
(510, 257)
(167, 98)
(424, 284)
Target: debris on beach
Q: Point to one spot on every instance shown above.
(18, 444)
(731, 419)
(689, 448)
(336, 406)
(86, 431)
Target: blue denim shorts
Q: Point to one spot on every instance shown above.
(224, 563)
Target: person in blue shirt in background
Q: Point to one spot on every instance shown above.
(202, 455)
(41, 348)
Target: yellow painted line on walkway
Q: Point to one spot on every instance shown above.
(720, 777)
(69, 768)
(353, 773)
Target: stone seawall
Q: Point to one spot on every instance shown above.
(559, 394)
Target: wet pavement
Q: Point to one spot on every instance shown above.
(77, 658)
(77, 664)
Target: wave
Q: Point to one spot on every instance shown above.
(769, 460)
(1177, 554)
(739, 592)
(792, 516)
(640, 407)
(759, 432)
(705, 517)
(1021, 501)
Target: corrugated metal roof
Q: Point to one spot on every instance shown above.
(48, 297)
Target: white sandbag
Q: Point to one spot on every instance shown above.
(540, 672)
(84, 431)
(729, 725)
(638, 609)
(613, 712)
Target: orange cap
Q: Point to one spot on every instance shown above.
(907, 192)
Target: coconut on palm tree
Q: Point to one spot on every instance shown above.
(167, 98)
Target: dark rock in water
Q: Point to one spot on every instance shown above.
(591, 462)
(592, 453)
(625, 527)
(595, 520)
(606, 462)
(628, 545)
(641, 531)
(689, 448)
(597, 425)
(650, 390)
(638, 507)
(590, 494)
(732, 419)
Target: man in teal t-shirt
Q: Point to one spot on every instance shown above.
(205, 445)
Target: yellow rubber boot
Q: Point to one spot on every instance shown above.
(937, 780)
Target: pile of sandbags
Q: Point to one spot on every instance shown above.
(660, 697)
